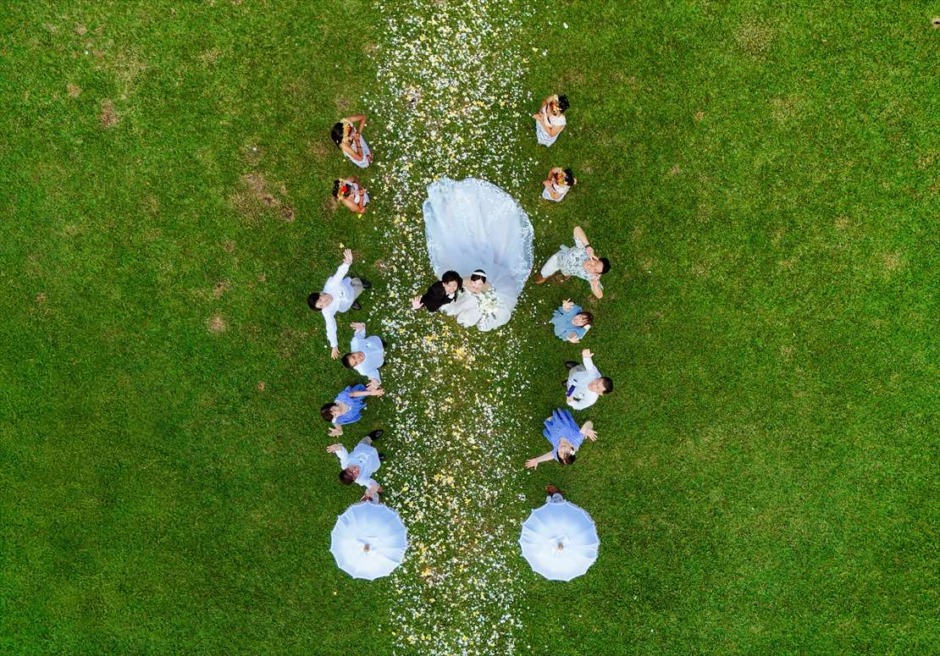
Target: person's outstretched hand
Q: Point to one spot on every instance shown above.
(567, 304)
(357, 326)
(588, 431)
(586, 353)
(334, 353)
(532, 463)
(333, 448)
(416, 303)
(336, 431)
(574, 339)
(347, 256)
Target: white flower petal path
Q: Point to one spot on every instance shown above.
(453, 104)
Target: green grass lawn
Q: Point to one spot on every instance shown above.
(765, 179)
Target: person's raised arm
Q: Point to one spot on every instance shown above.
(533, 463)
(596, 288)
(358, 118)
(349, 150)
(586, 357)
(581, 237)
(552, 130)
(367, 392)
(343, 268)
(588, 431)
(329, 318)
(340, 451)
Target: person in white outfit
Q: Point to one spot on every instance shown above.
(359, 465)
(585, 383)
(550, 119)
(339, 295)
(351, 194)
(366, 355)
(558, 183)
(349, 139)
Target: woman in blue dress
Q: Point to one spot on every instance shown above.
(571, 323)
(347, 407)
(562, 432)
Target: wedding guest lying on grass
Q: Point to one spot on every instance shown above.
(571, 323)
(550, 119)
(563, 434)
(585, 383)
(349, 139)
(339, 295)
(557, 184)
(579, 261)
(441, 293)
(359, 465)
(351, 194)
(366, 355)
(347, 407)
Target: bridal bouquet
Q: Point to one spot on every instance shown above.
(489, 303)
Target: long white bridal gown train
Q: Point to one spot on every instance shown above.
(473, 224)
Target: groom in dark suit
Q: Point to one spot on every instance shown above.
(440, 293)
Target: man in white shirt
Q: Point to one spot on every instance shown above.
(585, 383)
(359, 465)
(339, 295)
(366, 355)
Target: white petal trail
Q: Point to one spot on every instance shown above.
(452, 104)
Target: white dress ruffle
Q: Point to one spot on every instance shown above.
(473, 224)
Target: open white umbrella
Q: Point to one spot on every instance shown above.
(369, 540)
(559, 540)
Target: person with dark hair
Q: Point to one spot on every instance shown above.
(347, 407)
(473, 225)
(563, 434)
(550, 119)
(585, 383)
(366, 355)
(351, 194)
(553, 494)
(349, 139)
(479, 305)
(557, 184)
(571, 323)
(339, 295)
(579, 261)
(440, 293)
(358, 466)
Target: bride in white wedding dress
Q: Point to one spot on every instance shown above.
(473, 226)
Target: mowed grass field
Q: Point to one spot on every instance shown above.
(765, 180)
